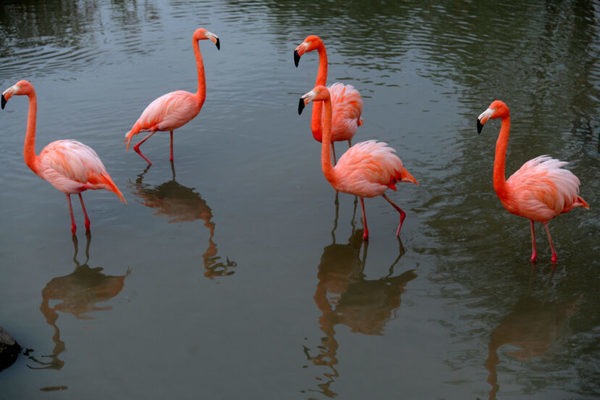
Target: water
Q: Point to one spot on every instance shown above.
(234, 274)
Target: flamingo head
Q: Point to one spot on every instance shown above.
(203, 34)
(319, 93)
(311, 43)
(498, 109)
(19, 88)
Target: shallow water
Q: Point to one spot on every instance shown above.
(233, 273)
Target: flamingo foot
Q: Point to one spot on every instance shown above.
(137, 150)
(402, 217)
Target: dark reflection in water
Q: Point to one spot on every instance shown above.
(344, 296)
(182, 204)
(77, 293)
(534, 327)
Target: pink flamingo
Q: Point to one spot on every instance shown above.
(367, 169)
(70, 166)
(175, 109)
(346, 101)
(540, 190)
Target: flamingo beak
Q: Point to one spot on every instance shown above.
(296, 58)
(214, 38)
(483, 118)
(301, 105)
(304, 100)
(407, 177)
(3, 101)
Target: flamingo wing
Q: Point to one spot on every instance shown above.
(169, 111)
(346, 111)
(368, 169)
(541, 189)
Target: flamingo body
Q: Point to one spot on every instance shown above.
(540, 190)
(68, 165)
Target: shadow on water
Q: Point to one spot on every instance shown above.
(180, 203)
(344, 296)
(77, 293)
(533, 327)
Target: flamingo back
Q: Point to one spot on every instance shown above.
(346, 108)
(541, 190)
(169, 111)
(368, 169)
(72, 167)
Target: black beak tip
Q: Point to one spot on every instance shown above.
(3, 102)
(300, 106)
(479, 126)
(296, 58)
(218, 44)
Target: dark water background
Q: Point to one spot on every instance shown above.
(224, 278)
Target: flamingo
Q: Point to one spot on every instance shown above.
(346, 101)
(540, 190)
(68, 165)
(175, 109)
(366, 169)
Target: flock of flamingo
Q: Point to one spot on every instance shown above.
(539, 191)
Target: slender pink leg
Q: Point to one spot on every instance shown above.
(171, 145)
(137, 147)
(73, 226)
(366, 232)
(402, 213)
(554, 254)
(87, 220)
(533, 252)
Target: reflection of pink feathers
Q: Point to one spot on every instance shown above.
(346, 108)
(72, 167)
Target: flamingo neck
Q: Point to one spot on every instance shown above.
(201, 93)
(29, 147)
(318, 106)
(328, 169)
(500, 160)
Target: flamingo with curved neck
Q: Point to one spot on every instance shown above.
(540, 190)
(346, 102)
(366, 169)
(70, 166)
(174, 109)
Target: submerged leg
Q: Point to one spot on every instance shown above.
(171, 145)
(87, 220)
(73, 226)
(402, 213)
(366, 231)
(533, 252)
(137, 147)
(554, 254)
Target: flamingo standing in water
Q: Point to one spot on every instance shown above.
(70, 166)
(175, 109)
(346, 101)
(540, 190)
(367, 169)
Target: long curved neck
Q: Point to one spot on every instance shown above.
(29, 147)
(201, 93)
(500, 160)
(328, 169)
(315, 125)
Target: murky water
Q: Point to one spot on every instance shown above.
(233, 274)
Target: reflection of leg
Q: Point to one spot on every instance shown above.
(87, 220)
(533, 252)
(554, 254)
(88, 240)
(366, 232)
(337, 213)
(73, 226)
(173, 169)
(402, 213)
(137, 147)
(171, 145)
(401, 252)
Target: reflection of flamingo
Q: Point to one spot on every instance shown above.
(344, 296)
(345, 99)
(183, 204)
(540, 190)
(68, 165)
(367, 169)
(78, 293)
(172, 110)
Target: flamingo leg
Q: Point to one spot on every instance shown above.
(533, 252)
(554, 254)
(87, 220)
(171, 145)
(137, 147)
(73, 226)
(366, 232)
(402, 213)
(333, 151)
